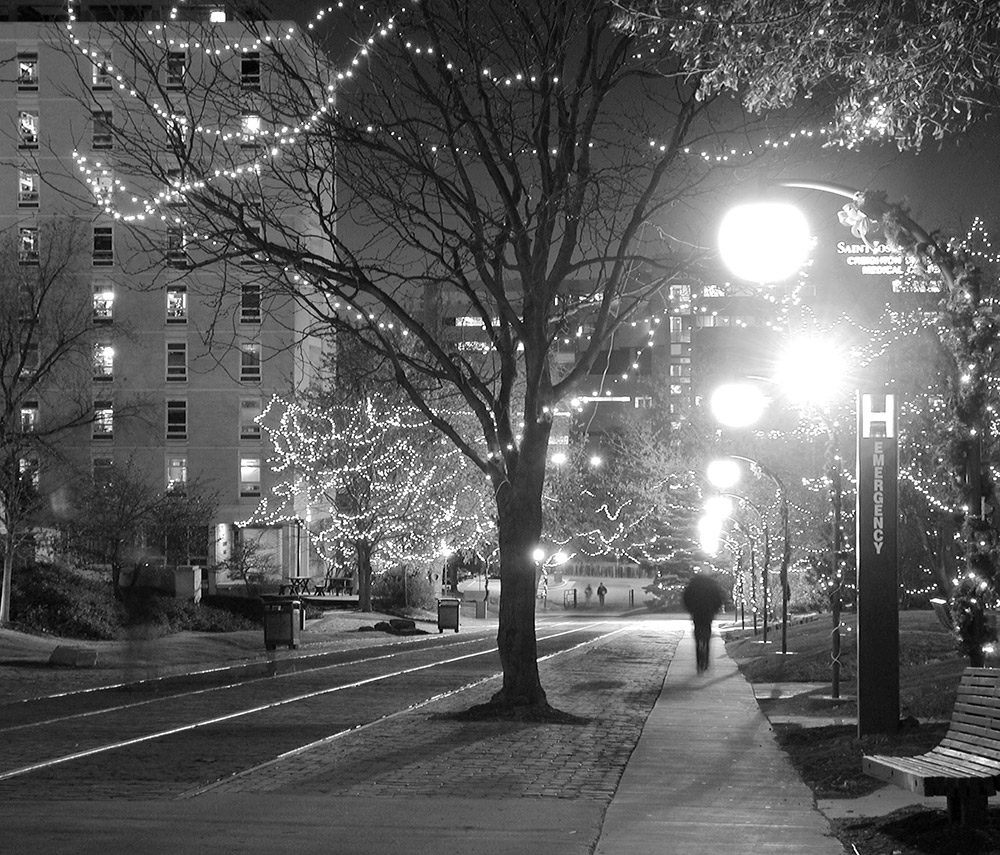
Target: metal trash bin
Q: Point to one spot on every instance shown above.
(282, 622)
(448, 614)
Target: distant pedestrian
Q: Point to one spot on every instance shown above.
(602, 592)
(703, 598)
(588, 592)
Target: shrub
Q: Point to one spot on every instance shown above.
(76, 604)
(388, 592)
(48, 598)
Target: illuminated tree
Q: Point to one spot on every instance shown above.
(382, 483)
(894, 71)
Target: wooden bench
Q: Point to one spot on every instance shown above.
(965, 766)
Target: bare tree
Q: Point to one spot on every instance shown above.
(122, 517)
(528, 168)
(47, 356)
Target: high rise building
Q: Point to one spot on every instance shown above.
(185, 357)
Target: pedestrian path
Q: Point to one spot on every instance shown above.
(707, 775)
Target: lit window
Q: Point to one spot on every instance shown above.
(250, 127)
(27, 188)
(28, 469)
(217, 16)
(104, 246)
(176, 69)
(177, 305)
(676, 389)
(103, 185)
(29, 416)
(250, 410)
(27, 245)
(642, 402)
(250, 303)
(104, 361)
(104, 420)
(103, 130)
(177, 424)
(250, 477)
(104, 303)
(250, 71)
(177, 473)
(250, 363)
(177, 255)
(177, 369)
(102, 69)
(174, 180)
(27, 72)
(27, 128)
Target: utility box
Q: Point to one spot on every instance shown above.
(479, 598)
(448, 614)
(282, 622)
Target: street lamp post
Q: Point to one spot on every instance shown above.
(719, 478)
(878, 635)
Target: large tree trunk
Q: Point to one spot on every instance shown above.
(364, 553)
(519, 518)
(8, 572)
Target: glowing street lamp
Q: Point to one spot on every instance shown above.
(764, 242)
(738, 404)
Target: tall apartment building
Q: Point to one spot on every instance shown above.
(185, 360)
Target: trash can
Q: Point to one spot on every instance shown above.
(282, 622)
(448, 614)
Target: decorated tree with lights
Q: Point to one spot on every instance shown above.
(383, 485)
(529, 168)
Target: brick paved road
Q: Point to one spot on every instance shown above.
(423, 753)
(419, 753)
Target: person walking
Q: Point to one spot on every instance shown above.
(601, 593)
(702, 598)
(588, 592)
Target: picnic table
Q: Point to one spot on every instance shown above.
(295, 586)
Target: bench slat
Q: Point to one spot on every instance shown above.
(956, 742)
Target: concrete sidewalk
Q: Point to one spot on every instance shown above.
(705, 776)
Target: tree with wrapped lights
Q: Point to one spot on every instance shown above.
(478, 181)
(383, 485)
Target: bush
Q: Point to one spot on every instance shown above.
(73, 604)
(52, 599)
(388, 592)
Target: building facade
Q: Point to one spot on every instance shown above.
(185, 358)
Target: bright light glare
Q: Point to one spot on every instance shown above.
(596, 460)
(559, 558)
(709, 534)
(723, 474)
(719, 507)
(738, 404)
(812, 370)
(538, 554)
(764, 242)
(559, 458)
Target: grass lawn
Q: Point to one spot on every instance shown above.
(829, 757)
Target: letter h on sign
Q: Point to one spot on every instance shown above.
(874, 423)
